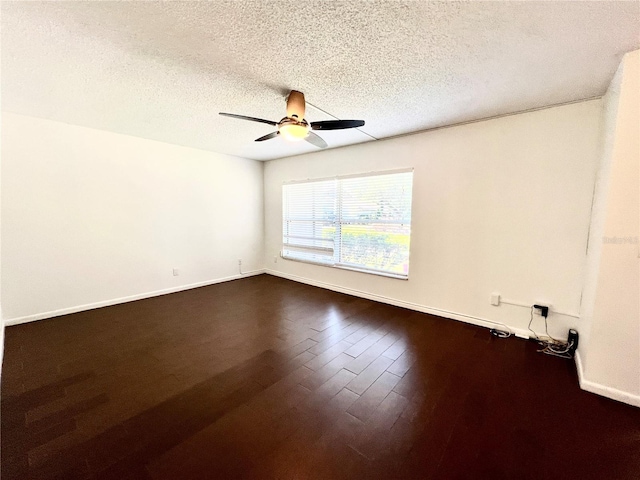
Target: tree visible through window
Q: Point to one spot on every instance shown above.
(357, 222)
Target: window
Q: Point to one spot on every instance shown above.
(358, 222)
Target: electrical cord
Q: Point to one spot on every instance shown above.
(529, 326)
(567, 348)
(563, 352)
(500, 333)
(546, 329)
(550, 345)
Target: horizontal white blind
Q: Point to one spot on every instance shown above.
(309, 221)
(358, 222)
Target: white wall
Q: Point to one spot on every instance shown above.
(90, 216)
(598, 206)
(1, 315)
(609, 355)
(501, 205)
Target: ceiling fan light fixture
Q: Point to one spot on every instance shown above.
(294, 132)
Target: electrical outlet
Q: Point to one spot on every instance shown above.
(176, 272)
(275, 259)
(240, 262)
(540, 309)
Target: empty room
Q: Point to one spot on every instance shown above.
(320, 240)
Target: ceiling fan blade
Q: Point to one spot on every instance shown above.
(314, 139)
(267, 137)
(336, 124)
(251, 119)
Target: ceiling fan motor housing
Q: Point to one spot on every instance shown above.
(296, 105)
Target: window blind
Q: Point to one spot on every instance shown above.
(356, 222)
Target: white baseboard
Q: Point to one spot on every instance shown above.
(478, 321)
(578, 361)
(130, 298)
(1, 342)
(599, 389)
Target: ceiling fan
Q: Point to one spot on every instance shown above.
(294, 127)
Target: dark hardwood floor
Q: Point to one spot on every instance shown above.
(270, 379)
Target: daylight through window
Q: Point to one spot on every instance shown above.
(358, 222)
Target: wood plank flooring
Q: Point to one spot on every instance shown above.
(263, 378)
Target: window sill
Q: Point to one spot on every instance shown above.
(347, 267)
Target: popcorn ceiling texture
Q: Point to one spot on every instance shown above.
(163, 71)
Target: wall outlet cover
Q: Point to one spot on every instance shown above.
(495, 299)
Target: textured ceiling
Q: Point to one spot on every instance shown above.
(163, 70)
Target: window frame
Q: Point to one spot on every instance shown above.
(338, 223)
